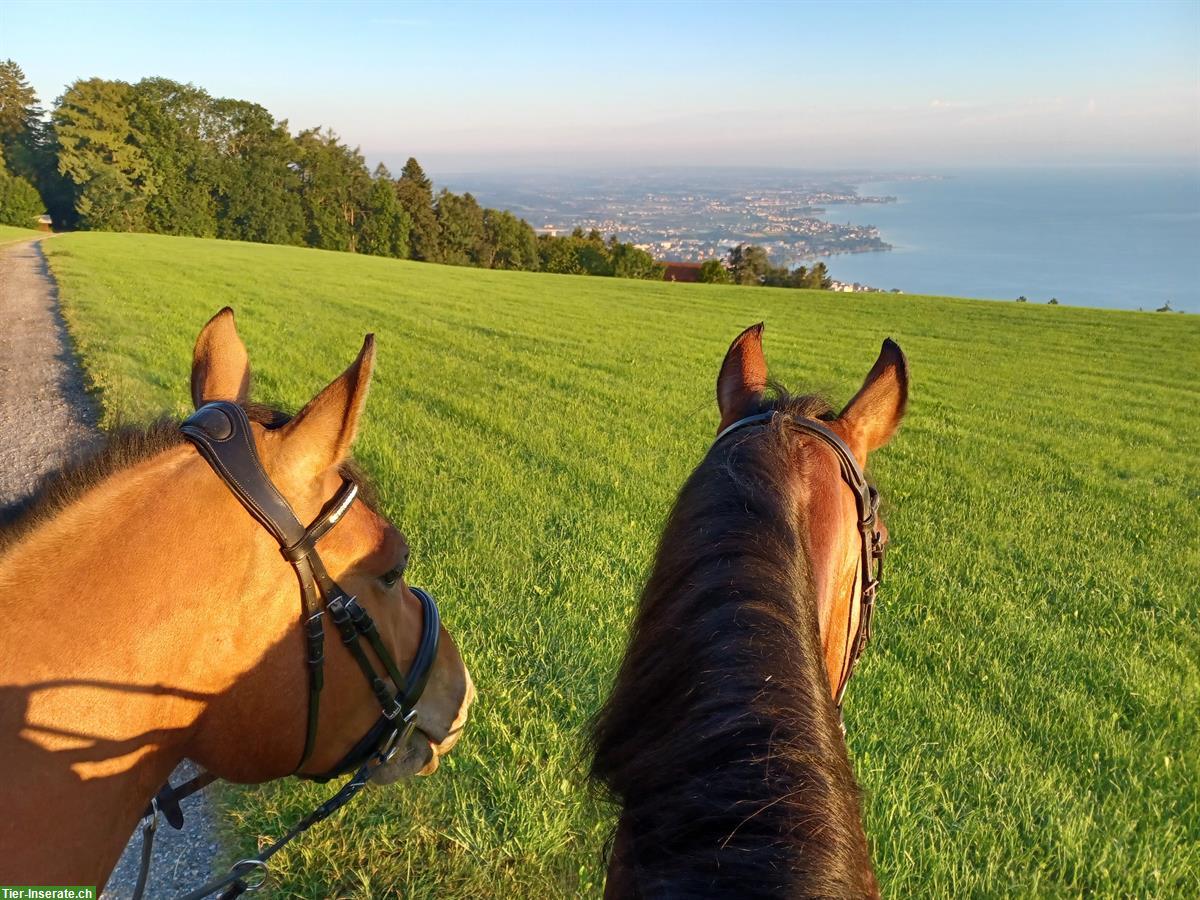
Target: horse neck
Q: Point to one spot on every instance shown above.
(738, 780)
(109, 663)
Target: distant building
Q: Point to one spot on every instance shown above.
(681, 271)
(854, 287)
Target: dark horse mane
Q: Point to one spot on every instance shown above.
(720, 739)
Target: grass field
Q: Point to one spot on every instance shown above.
(11, 233)
(1025, 720)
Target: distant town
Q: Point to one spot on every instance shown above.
(796, 219)
(693, 227)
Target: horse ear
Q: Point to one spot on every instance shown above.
(743, 376)
(319, 437)
(220, 366)
(874, 413)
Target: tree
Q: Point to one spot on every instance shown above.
(415, 175)
(16, 99)
(385, 226)
(461, 231)
(558, 255)
(577, 254)
(20, 122)
(334, 186)
(748, 264)
(781, 276)
(174, 121)
(29, 146)
(628, 261)
(20, 203)
(100, 152)
(819, 277)
(511, 241)
(257, 182)
(1053, 301)
(415, 193)
(713, 271)
(591, 252)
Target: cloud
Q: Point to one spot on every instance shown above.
(952, 104)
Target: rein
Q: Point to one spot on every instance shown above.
(222, 434)
(866, 498)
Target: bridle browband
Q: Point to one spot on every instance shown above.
(221, 432)
(873, 543)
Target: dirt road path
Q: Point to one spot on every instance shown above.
(45, 416)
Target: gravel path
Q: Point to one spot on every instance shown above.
(45, 416)
(183, 860)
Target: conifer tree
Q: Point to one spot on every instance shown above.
(415, 193)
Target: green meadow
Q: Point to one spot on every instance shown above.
(1025, 721)
(11, 233)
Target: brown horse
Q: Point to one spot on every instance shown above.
(148, 618)
(739, 784)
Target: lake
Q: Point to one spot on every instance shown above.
(1126, 238)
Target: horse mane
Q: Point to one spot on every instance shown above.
(720, 739)
(119, 449)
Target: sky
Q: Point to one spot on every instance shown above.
(500, 86)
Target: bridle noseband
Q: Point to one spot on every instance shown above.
(221, 433)
(873, 543)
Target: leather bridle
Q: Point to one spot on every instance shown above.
(873, 542)
(221, 432)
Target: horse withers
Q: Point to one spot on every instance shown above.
(150, 616)
(721, 740)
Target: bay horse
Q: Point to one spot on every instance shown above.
(739, 784)
(148, 619)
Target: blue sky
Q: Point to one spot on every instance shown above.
(478, 86)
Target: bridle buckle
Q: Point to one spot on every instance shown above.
(407, 725)
(398, 738)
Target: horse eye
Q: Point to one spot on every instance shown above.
(390, 578)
